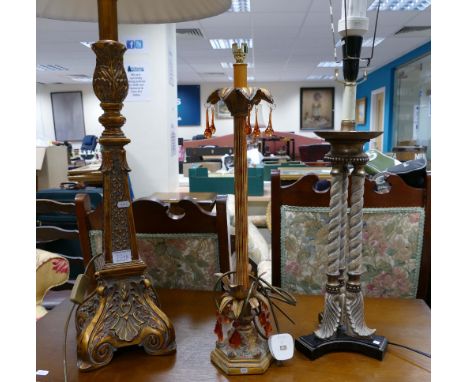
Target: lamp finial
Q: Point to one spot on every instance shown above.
(240, 53)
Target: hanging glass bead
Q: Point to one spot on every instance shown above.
(212, 126)
(269, 130)
(207, 132)
(256, 132)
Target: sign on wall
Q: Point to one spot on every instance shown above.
(138, 79)
(188, 105)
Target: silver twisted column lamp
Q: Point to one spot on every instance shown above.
(342, 326)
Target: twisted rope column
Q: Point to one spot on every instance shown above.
(334, 233)
(355, 220)
(354, 299)
(332, 316)
(344, 224)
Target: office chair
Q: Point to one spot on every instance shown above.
(88, 145)
(313, 153)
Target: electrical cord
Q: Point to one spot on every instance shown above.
(77, 300)
(408, 348)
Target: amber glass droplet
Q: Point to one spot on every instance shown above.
(212, 127)
(256, 131)
(269, 130)
(207, 132)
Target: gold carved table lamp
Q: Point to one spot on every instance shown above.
(123, 310)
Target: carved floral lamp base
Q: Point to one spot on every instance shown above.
(123, 311)
(313, 347)
(252, 356)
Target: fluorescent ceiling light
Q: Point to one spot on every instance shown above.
(249, 78)
(330, 64)
(227, 44)
(367, 43)
(50, 68)
(87, 44)
(240, 6)
(320, 77)
(226, 65)
(80, 78)
(400, 5)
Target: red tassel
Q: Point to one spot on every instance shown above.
(219, 329)
(264, 319)
(235, 340)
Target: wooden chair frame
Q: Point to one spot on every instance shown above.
(155, 216)
(50, 233)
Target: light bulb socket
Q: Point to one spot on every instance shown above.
(351, 48)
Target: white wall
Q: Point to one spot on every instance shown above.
(286, 116)
(151, 123)
(151, 155)
(154, 167)
(44, 120)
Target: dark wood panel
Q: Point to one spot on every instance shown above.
(47, 206)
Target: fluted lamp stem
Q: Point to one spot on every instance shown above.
(107, 16)
(240, 185)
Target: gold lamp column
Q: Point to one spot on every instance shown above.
(123, 310)
(244, 351)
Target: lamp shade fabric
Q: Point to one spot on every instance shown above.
(133, 11)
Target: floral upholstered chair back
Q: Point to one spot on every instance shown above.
(392, 248)
(174, 261)
(182, 244)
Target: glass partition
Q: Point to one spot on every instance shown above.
(412, 105)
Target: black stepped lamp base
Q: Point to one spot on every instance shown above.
(313, 347)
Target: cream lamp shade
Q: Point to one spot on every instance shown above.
(133, 11)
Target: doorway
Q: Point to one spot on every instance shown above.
(377, 117)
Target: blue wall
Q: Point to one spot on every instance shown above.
(384, 77)
(188, 105)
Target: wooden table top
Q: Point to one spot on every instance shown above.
(406, 322)
(89, 174)
(93, 167)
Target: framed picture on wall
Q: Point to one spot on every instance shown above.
(361, 111)
(222, 111)
(317, 108)
(188, 105)
(67, 111)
